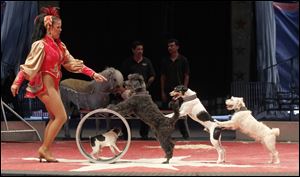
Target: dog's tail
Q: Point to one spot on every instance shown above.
(275, 131)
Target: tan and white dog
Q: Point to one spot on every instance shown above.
(106, 139)
(243, 121)
(192, 106)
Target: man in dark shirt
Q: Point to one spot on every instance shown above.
(137, 63)
(175, 70)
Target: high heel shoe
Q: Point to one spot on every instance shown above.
(44, 155)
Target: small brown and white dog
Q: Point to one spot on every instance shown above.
(243, 121)
(192, 106)
(106, 139)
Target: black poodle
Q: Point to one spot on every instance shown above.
(141, 104)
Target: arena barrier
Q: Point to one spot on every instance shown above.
(268, 98)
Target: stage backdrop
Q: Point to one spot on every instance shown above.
(101, 33)
(287, 44)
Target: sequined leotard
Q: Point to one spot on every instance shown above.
(46, 57)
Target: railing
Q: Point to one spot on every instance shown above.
(9, 130)
(266, 97)
(254, 93)
(31, 108)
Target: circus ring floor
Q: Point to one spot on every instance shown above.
(144, 158)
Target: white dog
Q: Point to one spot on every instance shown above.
(193, 107)
(106, 139)
(243, 120)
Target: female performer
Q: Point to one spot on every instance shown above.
(43, 70)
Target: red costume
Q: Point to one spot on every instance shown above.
(46, 57)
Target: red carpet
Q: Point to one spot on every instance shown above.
(145, 157)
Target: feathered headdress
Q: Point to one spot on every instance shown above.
(50, 11)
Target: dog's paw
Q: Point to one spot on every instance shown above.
(277, 161)
(175, 104)
(172, 104)
(166, 162)
(220, 161)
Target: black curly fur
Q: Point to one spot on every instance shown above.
(142, 105)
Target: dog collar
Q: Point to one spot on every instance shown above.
(242, 109)
(189, 98)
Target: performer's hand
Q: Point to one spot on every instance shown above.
(14, 89)
(99, 78)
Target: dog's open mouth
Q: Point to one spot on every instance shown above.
(175, 95)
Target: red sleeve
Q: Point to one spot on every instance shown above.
(20, 78)
(88, 71)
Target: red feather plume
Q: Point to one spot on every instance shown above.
(50, 11)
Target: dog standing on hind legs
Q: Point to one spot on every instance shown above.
(243, 120)
(141, 104)
(192, 106)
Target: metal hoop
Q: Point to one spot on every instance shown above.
(79, 131)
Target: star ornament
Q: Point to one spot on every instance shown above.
(175, 162)
(153, 163)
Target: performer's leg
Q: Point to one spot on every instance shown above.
(51, 118)
(54, 105)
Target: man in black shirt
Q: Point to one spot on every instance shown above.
(175, 70)
(137, 63)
